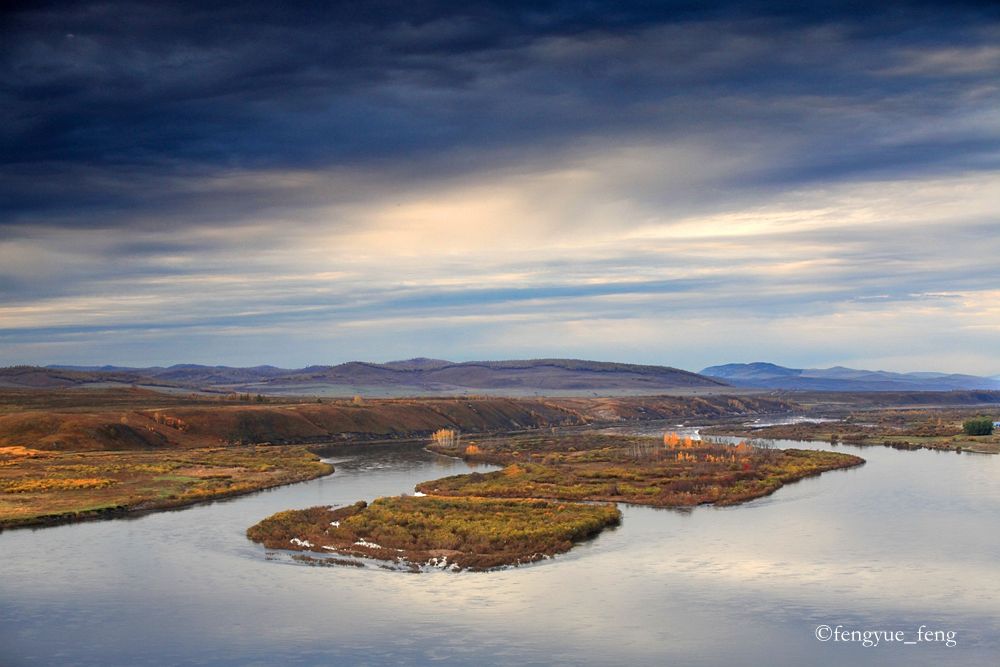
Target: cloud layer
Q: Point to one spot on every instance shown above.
(686, 185)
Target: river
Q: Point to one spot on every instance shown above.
(909, 539)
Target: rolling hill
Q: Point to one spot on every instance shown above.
(413, 376)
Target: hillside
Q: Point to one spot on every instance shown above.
(839, 378)
(137, 419)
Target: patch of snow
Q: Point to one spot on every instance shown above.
(418, 494)
(301, 543)
(365, 543)
(335, 524)
(441, 562)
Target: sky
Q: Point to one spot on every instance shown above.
(679, 183)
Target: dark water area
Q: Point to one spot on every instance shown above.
(909, 539)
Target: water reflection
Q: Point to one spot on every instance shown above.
(909, 538)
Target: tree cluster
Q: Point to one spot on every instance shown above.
(978, 426)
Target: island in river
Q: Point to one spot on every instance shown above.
(668, 472)
(542, 500)
(460, 533)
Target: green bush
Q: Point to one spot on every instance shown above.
(978, 426)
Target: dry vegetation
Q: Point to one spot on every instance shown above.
(80, 453)
(40, 488)
(461, 533)
(917, 428)
(672, 472)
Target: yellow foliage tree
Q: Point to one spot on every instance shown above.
(445, 437)
(671, 440)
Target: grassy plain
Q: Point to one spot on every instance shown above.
(42, 487)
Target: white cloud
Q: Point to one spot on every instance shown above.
(575, 257)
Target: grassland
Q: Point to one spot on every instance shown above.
(42, 487)
(919, 428)
(646, 471)
(460, 533)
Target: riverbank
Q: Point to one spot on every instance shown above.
(40, 488)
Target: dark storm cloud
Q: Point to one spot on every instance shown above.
(254, 83)
(157, 90)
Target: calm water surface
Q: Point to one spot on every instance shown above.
(909, 539)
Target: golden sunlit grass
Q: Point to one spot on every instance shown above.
(53, 484)
(65, 486)
(18, 452)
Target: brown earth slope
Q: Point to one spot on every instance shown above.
(128, 420)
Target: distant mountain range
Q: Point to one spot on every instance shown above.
(839, 378)
(412, 376)
(526, 377)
